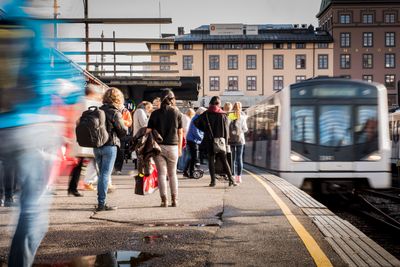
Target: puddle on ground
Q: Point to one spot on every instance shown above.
(121, 258)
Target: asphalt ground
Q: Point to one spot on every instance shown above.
(240, 226)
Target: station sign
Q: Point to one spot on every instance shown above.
(251, 30)
(226, 29)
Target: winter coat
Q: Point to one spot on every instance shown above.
(115, 125)
(146, 147)
(219, 126)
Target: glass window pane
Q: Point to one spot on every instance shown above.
(303, 124)
(335, 126)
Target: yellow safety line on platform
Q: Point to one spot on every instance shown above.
(312, 246)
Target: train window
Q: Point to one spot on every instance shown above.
(335, 126)
(303, 124)
(367, 122)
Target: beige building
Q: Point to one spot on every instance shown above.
(248, 62)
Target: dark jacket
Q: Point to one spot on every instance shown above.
(219, 126)
(115, 125)
(146, 147)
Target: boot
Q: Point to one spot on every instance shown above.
(174, 201)
(164, 202)
(231, 181)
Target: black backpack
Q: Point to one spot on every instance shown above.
(91, 130)
(16, 75)
(234, 132)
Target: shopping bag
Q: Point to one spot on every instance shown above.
(145, 185)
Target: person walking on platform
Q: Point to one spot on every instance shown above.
(237, 129)
(33, 78)
(85, 155)
(113, 104)
(168, 122)
(214, 124)
(119, 162)
(194, 138)
(7, 185)
(140, 120)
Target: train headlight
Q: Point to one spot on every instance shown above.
(297, 157)
(373, 157)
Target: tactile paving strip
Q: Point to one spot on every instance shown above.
(353, 246)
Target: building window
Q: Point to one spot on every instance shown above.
(278, 62)
(390, 61)
(278, 46)
(300, 78)
(289, 46)
(278, 83)
(390, 18)
(322, 62)
(164, 46)
(187, 62)
(165, 59)
(368, 61)
(345, 39)
(251, 83)
(251, 62)
(214, 62)
(300, 45)
(390, 80)
(322, 45)
(390, 40)
(214, 83)
(368, 39)
(187, 46)
(233, 83)
(233, 62)
(368, 78)
(300, 61)
(345, 19)
(345, 61)
(368, 18)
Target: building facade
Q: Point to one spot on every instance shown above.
(248, 62)
(366, 36)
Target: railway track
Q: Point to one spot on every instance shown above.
(381, 205)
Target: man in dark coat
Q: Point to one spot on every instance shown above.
(214, 124)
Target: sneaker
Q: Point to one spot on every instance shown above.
(88, 187)
(118, 172)
(239, 179)
(1, 202)
(105, 208)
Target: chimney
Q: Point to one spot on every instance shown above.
(181, 30)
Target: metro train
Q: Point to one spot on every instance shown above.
(323, 134)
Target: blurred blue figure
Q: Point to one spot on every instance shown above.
(33, 77)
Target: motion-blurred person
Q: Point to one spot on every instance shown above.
(85, 155)
(156, 103)
(214, 124)
(185, 157)
(237, 129)
(194, 138)
(113, 104)
(168, 122)
(32, 78)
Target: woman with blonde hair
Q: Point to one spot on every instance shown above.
(237, 129)
(113, 105)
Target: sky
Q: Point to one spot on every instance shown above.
(186, 13)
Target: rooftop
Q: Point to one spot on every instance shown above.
(262, 33)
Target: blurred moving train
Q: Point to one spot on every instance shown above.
(323, 134)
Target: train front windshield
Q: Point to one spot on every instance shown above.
(334, 122)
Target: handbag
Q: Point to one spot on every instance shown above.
(219, 144)
(146, 185)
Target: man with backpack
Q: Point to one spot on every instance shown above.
(32, 79)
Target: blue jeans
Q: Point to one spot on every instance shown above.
(105, 157)
(31, 151)
(237, 159)
(183, 159)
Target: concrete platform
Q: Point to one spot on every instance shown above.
(241, 226)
